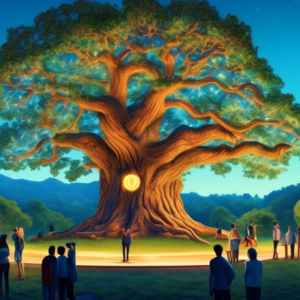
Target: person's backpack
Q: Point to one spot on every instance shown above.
(251, 232)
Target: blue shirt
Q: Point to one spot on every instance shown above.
(62, 266)
(221, 274)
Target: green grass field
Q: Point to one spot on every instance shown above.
(140, 245)
(280, 281)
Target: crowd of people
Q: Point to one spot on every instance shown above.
(59, 274)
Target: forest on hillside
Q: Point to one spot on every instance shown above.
(37, 204)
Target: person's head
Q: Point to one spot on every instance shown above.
(3, 243)
(233, 225)
(218, 249)
(15, 229)
(219, 231)
(252, 223)
(61, 250)
(20, 232)
(51, 250)
(275, 223)
(252, 254)
(290, 228)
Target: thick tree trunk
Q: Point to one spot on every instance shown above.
(148, 211)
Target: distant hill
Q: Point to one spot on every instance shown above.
(75, 200)
(80, 200)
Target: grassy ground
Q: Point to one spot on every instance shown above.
(280, 281)
(140, 245)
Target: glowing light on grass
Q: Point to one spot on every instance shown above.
(131, 182)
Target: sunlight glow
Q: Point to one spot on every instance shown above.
(131, 182)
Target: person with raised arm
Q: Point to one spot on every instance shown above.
(126, 242)
(18, 238)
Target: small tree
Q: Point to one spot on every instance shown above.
(11, 216)
(263, 221)
(224, 216)
(146, 89)
(297, 213)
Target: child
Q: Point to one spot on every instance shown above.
(62, 273)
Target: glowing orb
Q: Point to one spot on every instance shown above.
(131, 182)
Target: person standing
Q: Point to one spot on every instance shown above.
(62, 272)
(4, 264)
(235, 239)
(126, 242)
(290, 239)
(49, 275)
(18, 238)
(253, 276)
(276, 238)
(72, 270)
(221, 276)
(51, 229)
(252, 232)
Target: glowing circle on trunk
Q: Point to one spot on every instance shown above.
(131, 182)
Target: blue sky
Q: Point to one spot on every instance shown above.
(275, 30)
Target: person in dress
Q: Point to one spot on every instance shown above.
(126, 242)
(235, 239)
(4, 264)
(49, 275)
(276, 238)
(290, 239)
(253, 276)
(18, 238)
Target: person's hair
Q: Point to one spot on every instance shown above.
(252, 254)
(219, 231)
(233, 225)
(3, 243)
(252, 222)
(290, 228)
(275, 223)
(51, 250)
(61, 250)
(218, 249)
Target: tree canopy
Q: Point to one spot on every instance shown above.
(90, 76)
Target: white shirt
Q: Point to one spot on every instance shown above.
(276, 233)
(253, 273)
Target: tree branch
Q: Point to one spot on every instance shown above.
(155, 101)
(188, 107)
(185, 138)
(209, 155)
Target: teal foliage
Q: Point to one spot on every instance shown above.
(56, 56)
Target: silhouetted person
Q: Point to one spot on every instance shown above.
(276, 238)
(217, 223)
(72, 270)
(18, 238)
(235, 239)
(221, 276)
(126, 241)
(49, 275)
(253, 275)
(252, 232)
(51, 229)
(290, 239)
(62, 272)
(4, 264)
(40, 234)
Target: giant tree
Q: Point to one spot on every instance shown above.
(148, 90)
